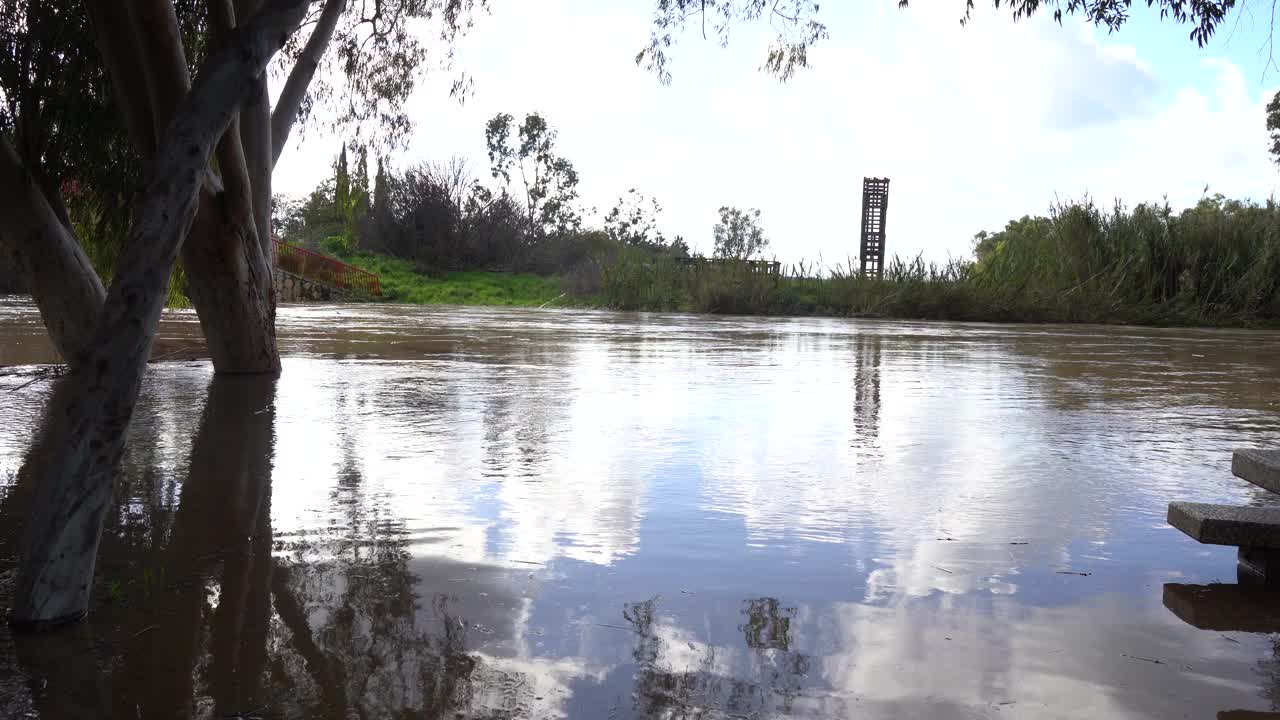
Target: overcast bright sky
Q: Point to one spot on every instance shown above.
(974, 126)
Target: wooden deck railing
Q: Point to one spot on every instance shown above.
(323, 269)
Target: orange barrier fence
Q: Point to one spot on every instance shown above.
(323, 269)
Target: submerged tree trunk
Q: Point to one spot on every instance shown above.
(232, 286)
(231, 291)
(62, 536)
(228, 272)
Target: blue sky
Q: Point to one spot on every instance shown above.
(974, 125)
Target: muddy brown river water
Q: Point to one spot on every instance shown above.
(442, 512)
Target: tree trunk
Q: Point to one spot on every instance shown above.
(228, 274)
(229, 283)
(97, 400)
(45, 253)
(121, 56)
(255, 134)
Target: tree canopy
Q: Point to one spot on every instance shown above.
(1273, 126)
(798, 25)
(380, 49)
(738, 235)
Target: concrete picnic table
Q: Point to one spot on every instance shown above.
(1254, 530)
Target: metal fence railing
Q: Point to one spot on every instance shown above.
(323, 269)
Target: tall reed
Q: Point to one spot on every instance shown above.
(1217, 263)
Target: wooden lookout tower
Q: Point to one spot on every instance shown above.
(875, 203)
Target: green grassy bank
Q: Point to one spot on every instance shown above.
(402, 282)
(1215, 264)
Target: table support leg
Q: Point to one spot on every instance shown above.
(1259, 565)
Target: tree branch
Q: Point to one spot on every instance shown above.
(326, 672)
(48, 257)
(121, 55)
(295, 88)
(164, 60)
(237, 188)
(255, 137)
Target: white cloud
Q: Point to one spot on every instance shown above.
(974, 125)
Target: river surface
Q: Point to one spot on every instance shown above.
(442, 512)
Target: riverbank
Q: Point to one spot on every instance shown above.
(1212, 265)
(909, 291)
(403, 281)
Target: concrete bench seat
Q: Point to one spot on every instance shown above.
(1250, 527)
(1260, 467)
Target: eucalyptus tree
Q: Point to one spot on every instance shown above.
(99, 96)
(204, 151)
(90, 86)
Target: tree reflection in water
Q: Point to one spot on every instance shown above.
(201, 614)
(355, 637)
(154, 633)
(715, 683)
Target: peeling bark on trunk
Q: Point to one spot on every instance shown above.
(228, 272)
(61, 539)
(45, 253)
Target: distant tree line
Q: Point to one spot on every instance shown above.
(525, 216)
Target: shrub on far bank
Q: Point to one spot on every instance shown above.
(1217, 263)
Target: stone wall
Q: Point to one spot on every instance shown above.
(291, 288)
